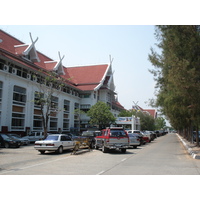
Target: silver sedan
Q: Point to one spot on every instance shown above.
(134, 141)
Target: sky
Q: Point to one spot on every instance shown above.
(128, 46)
(88, 32)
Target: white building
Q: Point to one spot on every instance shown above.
(23, 68)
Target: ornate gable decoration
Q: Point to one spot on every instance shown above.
(56, 66)
(28, 51)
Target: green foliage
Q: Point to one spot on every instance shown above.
(100, 115)
(160, 123)
(127, 113)
(147, 122)
(177, 74)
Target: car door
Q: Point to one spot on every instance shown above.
(66, 142)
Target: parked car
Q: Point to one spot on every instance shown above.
(149, 134)
(157, 133)
(34, 136)
(55, 142)
(134, 140)
(8, 141)
(71, 135)
(24, 141)
(140, 135)
(112, 139)
(91, 135)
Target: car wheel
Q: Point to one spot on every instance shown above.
(60, 150)
(42, 152)
(104, 149)
(6, 145)
(123, 150)
(92, 145)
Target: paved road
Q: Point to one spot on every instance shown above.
(164, 156)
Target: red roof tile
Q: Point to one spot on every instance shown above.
(116, 103)
(20, 49)
(8, 42)
(86, 77)
(152, 112)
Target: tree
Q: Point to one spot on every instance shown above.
(100, 115)
(177, 73)
(160, 123)
(147, 122)
(46, 97)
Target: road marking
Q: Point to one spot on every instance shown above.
(47, 162)
(100, 173)
(30, 166)
(112, 167)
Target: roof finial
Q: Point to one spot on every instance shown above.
(111, 60)
(33, 42)
(60, 56)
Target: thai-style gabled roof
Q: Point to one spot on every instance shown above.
(87, 77)
(151, 112)
(29, 52)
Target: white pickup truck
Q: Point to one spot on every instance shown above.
(34, 136)
(112, 138)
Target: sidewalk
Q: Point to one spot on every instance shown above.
(191, 148)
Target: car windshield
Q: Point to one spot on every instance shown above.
(13, 136)
(4, 136)
(117, 133)
(52, 137)
(136, 131)
(87, 134)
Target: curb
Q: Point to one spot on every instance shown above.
(189, 150)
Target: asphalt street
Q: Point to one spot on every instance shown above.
(163, 156)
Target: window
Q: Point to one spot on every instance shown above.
(52, 137)
(85, 95)
(85, 106)
(76, 106)
(19, 95)
(66, 115)
(66, 106)
(65, 124)
(18, 108)
(53, 123)
(18, 121)
(54, 103)
(117, 133)
(1, 87)
(2, 63)
(63, 138)
(37, 118)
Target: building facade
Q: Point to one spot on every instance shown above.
(23, 75)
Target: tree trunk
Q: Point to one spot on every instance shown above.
(197, 136)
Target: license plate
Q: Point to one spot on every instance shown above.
(43, 145)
